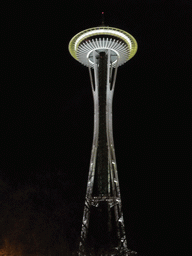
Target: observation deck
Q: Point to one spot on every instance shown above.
(121, 44)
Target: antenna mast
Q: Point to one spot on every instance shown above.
(102, 23)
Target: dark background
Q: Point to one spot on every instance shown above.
(47, 118)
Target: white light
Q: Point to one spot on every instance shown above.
(101, 48)
(98, 49)
(103, 31)
(121, 219)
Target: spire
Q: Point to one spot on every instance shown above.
(102, 24)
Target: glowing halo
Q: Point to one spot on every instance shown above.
(101, 39)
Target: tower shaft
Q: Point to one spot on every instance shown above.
(103, 49)
(101, 175)
(103, 225)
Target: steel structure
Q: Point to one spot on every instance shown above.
(103, 49)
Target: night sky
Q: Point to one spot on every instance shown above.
(47, 113)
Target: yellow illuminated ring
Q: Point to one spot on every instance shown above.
(128, 40)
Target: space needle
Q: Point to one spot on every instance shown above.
(103, 49)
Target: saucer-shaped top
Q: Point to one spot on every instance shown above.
(121, 44)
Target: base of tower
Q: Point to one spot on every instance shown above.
(106, 252)
(105, 234)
